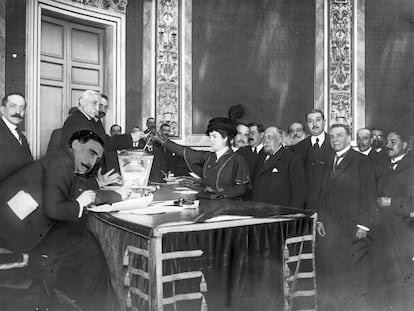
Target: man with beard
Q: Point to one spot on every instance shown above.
(379, 159)
(14, 149)
(279, 177)
(393, 235)
(314, 152)
(151, 125)
(297, 132)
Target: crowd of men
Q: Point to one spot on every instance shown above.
(363, 194)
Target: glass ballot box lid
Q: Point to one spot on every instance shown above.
(135, 167)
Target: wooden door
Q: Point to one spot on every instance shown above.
(71, 61)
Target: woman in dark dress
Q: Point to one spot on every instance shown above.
(224, 173)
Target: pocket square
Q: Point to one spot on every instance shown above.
(275, 170)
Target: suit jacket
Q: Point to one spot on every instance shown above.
(78, 121)
(13, 155)
(280, 180)
(349, 192)
(314, 164)
(53, 184)
(380, 162)
(251, 158)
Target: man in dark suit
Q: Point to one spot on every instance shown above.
(314, 152)
(87, 117)
(348, 199)
(14, 149)
(49, 225)
(394, 230)
(279, 177)
(379, 159)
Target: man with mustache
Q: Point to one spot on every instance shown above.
(297, 132)
(348, 201)
(88, 117)
(393, 234)
(379, 159)
(242, 137)
(314, 152)
(62, 252)
(14, 149)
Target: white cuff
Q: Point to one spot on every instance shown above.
(363, 228)
(80, 209)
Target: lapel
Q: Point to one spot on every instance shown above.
(271, 162)
(405, 163)
(9, 135)
(348, 158)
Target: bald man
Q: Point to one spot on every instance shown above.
(279, 178)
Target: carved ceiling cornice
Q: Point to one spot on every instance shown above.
(116, 5)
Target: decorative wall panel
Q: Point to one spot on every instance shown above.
(117, 5)
(168, 66)
(340, 62)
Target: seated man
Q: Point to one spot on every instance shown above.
(62, 252)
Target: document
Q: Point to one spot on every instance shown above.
(22, 204)
(129, 204)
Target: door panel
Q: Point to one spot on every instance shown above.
(50, 97)
(71, 62)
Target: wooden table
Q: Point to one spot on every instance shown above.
(177, 261)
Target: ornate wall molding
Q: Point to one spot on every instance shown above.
(116, 5)
(167, 106)
(340, 62)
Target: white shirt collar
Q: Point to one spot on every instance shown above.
(399, 158)
(343, 151)
(258, 147)
(366, 152)
(220, 153)
(12, 127)
(321, 138)
(234, 149)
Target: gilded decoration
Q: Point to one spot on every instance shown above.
(167, 70)
(340, 62)
(117, 5)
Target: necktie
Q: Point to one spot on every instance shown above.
(316, 144)
(254, 150)
(19, 132)
(394, 165)
(337, 160)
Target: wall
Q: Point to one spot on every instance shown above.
(15, 43)
(133, 64)
(256, 53)
(389, 61)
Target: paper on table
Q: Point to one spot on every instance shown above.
(22, 204)
(153, 210)
(227, 217)
(135, 203)
(186, 191)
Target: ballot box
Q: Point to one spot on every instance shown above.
(135, 167)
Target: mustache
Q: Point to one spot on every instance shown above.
(86, 166)
(17, 115)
